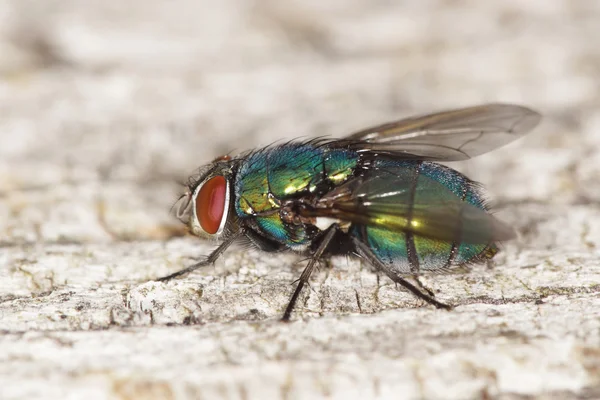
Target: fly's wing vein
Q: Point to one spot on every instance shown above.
(431, 211)
(449, 135)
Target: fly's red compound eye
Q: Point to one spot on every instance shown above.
(211, 202)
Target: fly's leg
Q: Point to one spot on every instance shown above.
(414, 290)
(303, 280)
(423, 287)
(212, 257)
(365, 253)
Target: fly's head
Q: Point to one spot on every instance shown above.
(206, 206)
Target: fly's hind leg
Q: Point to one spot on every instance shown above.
(415, 291)
(366, 253)
(422, 286)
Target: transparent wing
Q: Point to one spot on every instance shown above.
(449, 135)
(426, 208)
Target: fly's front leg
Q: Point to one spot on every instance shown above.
(303, 280)
(212, 257)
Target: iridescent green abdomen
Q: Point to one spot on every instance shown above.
(268, 177)
(398, 249)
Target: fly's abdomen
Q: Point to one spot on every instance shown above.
(409, 253)
(394, 248)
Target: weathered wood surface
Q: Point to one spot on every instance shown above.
(105, 105)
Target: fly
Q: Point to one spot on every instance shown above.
(377, 194)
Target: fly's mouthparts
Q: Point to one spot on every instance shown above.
(183, 207)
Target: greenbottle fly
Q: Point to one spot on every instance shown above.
(377, 194)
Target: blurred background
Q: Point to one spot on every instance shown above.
(104, 106)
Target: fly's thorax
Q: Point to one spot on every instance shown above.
(272, 182)
(207, 205)
(269, 176)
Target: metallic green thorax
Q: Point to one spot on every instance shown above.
(270, 176)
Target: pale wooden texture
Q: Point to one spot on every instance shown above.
(105, 105)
